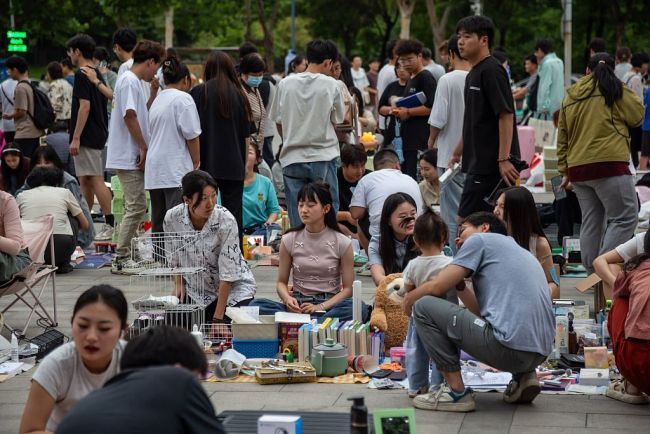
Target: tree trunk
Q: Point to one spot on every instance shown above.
(267, 28)
(405, 11)
(437, 26)
(169, 27)
(247, 20)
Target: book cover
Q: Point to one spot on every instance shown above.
(412, 101)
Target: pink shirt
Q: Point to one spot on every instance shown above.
(635, 285)
(11, 231)
(316, 260)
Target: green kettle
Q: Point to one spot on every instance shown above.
(330, 359)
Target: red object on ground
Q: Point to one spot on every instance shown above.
(632, 356)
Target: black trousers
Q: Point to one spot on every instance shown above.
(9, 136)
(410, 165)
(232, 193)
(162, 200)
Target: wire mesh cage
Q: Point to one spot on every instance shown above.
(169, 270)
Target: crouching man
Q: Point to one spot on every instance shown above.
(508, 324)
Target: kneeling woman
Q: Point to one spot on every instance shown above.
(629, 327)
(227, 280)
(320, 258)
(72, 371)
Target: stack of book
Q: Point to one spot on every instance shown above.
(356, 336)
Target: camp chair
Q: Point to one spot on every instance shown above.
(27, 286)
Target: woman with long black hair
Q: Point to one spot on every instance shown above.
(593, 150)
(394, 248)
(225, 116)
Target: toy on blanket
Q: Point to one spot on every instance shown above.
(388, 310)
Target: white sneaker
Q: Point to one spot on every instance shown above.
(443, 400)
(106, 234)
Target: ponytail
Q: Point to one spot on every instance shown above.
(173, 70)
(601, 66)
(638, 259)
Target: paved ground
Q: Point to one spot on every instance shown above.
(548, 414)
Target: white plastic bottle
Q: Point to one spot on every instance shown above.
(197, 335)
(14, 348)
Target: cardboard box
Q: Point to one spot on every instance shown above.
(602, 291)
(272, 424)
(594, 377)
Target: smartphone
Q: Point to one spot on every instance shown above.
(558, 191)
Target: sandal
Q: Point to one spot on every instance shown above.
(616, 390)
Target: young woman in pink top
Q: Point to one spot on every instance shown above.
(319, 258)
(12, 256)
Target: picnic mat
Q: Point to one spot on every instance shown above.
(341, 379)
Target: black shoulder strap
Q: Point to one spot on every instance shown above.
(6, 96)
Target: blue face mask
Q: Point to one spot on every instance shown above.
(253, 81)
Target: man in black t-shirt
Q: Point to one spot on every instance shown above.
(489, 132)
(89, 128)
(414, 127)
(353, 168)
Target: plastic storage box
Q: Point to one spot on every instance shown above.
(257, 348)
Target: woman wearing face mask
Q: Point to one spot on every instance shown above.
(14, 168)
(227, 280)
(174, 148)
(251, 72)
(75, 369)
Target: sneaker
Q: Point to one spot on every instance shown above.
(616, 390)
(421, 391)
(126, 267)
(106, 234)
(523, 391)
(444, 399)
(65, 268)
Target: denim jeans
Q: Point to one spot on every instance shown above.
(298, 174)
(417, 362)
(342, 311)
(450, 194)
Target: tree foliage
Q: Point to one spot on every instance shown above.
(359, 26)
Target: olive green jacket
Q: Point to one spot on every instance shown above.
(591, 132)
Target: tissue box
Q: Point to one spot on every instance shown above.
(596, 358)
(272, 424)
(594, 377)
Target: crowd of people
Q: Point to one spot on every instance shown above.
(204, 151)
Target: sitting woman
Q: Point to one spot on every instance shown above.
(227, 280)
(46, 197)
(12, 256)
(47, 156)
(394, 248)
(75, 369)
(261, 207)
(629, 327)
(14, 168)
(515, 206)
(429, 186)
(608, 265)
(320, 258)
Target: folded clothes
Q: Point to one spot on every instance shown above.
(151, 302)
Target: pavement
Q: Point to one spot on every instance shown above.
(548, 414)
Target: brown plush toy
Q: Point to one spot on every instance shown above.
(388, 310)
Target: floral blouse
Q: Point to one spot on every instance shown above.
(218, 244)
(60, 94)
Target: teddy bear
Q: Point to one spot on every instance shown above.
(388, 310)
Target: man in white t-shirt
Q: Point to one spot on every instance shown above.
(359, 74)
(128, 139)
(124, 41)
(386, 76)
(446, 130)
(7, 89)
(430, 65)
(373, 189)
(305, 108)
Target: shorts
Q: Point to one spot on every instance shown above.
(645, 144)
(89, 162)
(477, 192)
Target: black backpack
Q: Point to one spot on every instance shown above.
(43, 116)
